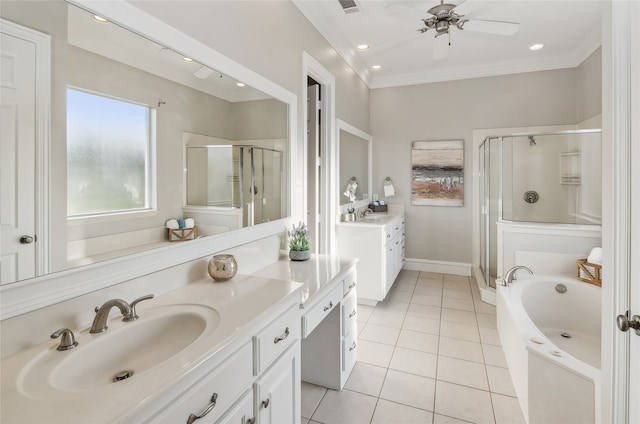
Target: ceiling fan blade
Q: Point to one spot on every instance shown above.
(465, 7)
(406, 13)
(441, 47)
(491, 27)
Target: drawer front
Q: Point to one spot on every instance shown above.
(349, 313)
(349, 282)
(226, 383)
(241, 413)
(320, 310)
(276, 338)
(349, 351)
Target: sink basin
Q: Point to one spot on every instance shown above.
(126, 349)
(371, 217)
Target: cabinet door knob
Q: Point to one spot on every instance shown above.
(352, 285)
(26, 239)
(326, 308)
(194, 417)
(353, 346)
(282, 337)
(352, 314)
(265, 403)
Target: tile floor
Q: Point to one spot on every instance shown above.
(429, 353)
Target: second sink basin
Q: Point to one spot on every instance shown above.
(125, 350)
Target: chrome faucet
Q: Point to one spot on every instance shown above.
(67, 341)
(511, 274)
(366, 212)
(102, 314)
(134, 316)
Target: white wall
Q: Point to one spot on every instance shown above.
(452, 110)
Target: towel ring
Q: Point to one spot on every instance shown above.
(387, 181)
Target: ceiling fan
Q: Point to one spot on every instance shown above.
(445, 16)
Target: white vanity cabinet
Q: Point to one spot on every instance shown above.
(379, 247)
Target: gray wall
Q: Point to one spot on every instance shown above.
(590, 86)
(452, 110)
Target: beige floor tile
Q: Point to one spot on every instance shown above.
(404, 286)
(459, 331)
(430, 282)
(386, 318)
(461, 304)
(486, 320)
(409, 273)
(500, 381)
(421, 324)
(464, 294)
(441, 419)
(426, 299)
(393, 306)
(424, 311)
(460, 349)
(494, 355)
(345, 407)
(366, 379)
(465, 373)
(364, 312)
(428, 290)
(457, 278)
(463, 403)
(485, 308)
(374, 353)
(414, 362)
(391, 412)
(409, 389)
(489, 336)
(311, 397)
(431, 275)
(401, 296)
(380, 334)
(418, 341)
(456, 315)
(507, 409)
(406, 279)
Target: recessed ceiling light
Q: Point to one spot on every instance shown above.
(187, 59)
(241, 84)
(535, 47)
(100, 19)
(362, 47)
(376, 67)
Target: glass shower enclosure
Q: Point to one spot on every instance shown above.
(236, 176)
(540, 178)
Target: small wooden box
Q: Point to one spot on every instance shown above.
(588, 272)
(182, 234)
(378, 208)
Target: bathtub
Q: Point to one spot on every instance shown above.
(550, 331)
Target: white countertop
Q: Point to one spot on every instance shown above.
(383, 219)
(242, 304)
(315, 273)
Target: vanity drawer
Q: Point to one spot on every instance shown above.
(349, 282)
(349, 313)
(228, 381)
(320, 310)
(349, 351)
(276, 338)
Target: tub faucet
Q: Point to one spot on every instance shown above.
(100, 321)
(511, 274)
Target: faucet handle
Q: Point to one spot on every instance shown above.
(134, 316)
(68, 340)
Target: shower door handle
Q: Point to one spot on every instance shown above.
(624, 323)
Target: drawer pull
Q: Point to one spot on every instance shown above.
(352, 285)
(353, 346)
(326, 308)
(194, 417)
(281, 338)
(352, 314)
(265, 403)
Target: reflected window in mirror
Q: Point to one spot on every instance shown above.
(109, 145)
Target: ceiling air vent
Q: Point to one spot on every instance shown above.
(349, 6)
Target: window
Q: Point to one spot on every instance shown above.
(109, 144)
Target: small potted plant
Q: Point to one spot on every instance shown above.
(299, 243)
(350, 215)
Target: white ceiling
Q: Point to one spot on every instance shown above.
(570, 30)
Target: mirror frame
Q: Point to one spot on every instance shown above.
(344, 126)
(28, 295)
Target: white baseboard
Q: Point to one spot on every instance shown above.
(454, 268)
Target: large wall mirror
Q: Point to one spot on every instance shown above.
(355, 156)
(125, 111)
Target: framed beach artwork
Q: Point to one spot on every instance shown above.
(437, 173)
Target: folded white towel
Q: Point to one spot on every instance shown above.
(389, 190)
(189, 223)
(595, 257)
(173, 224)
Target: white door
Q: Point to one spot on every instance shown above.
(314, 160)
(17, 153)
(278, 392)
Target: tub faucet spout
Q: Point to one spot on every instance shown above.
(511, 274)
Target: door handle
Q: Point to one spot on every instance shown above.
(624, 323)
(27, 239)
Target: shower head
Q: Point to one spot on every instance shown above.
(532, 141)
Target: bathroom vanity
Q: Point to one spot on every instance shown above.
(377, 240)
